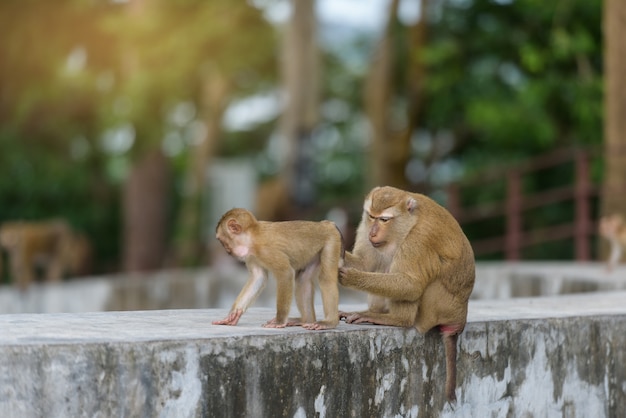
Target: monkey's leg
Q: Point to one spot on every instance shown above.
(54, 271)
(329, 262)
(616, 254)
(375, 303)
(285, 277)
(401, 314)
(21, 269)
(305, 292)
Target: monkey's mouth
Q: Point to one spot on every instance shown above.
(377, 244)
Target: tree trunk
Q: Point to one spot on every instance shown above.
(188, 243)
(391, 149)
(416, 76)
(377, 103)
(301, 83)
(614, 187)
(145, 213)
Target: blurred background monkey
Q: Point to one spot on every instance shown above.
(51, 247)
(613, 229)
(417, 266)
(296, 253)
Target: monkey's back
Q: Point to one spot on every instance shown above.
(302, 241)
(441, 239)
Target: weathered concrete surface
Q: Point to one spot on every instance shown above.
(541, 357)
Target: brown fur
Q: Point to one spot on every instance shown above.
(612, 228)
(421, 274)
(49, 244)
(295, 252)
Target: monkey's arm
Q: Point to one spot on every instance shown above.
(399, 286)
(353, 261)
(256, 282)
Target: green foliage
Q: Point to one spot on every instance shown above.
(522, 75)
(86, 87)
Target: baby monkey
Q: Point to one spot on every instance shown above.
(296, 253)
(612, 228)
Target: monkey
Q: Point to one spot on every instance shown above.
(51, 245)
(417, 266)
(295, 253)
(612, 228)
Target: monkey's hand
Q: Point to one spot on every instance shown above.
(231, 319)
(347, 276)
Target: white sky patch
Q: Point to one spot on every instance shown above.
(76, 60)
(118, 140)
(369, 15)
(245, 113)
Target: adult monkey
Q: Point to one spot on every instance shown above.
(417, 265)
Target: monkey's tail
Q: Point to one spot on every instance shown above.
(450, 335)
(450, 352)
(343, 246)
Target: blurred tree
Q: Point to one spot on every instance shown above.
(300, 73)
(50, 159)
(179, 55)
(92, 92)
(513, 79)
(614, 186)
(378, 98)
(394, 86)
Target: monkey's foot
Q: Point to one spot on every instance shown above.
(344, 315)
(355, 318)
(320, 325)
(231, 319)
(294, 322)
(273, 323)
(268, 325)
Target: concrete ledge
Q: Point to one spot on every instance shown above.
(542, 357)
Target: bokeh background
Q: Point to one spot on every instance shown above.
(139, 122)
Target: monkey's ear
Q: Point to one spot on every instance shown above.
(411, 204)
(233, 226)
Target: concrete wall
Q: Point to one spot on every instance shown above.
(498, 280)
(541, 357)
(218, 288)
(172, 289)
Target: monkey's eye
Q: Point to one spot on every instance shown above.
(372, 217)
(384, 220)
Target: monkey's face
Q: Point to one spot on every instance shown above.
(379, 223)
(235, 241)
(386, 213)
(225, 240)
